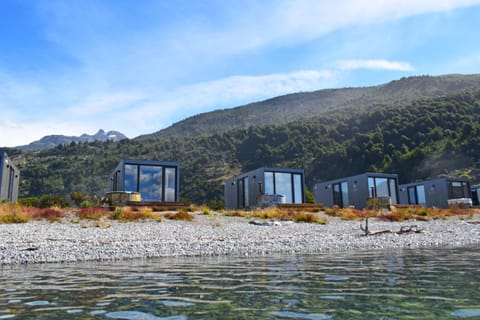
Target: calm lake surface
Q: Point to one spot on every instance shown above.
(403, 284)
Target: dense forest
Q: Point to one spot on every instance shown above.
(422, 139)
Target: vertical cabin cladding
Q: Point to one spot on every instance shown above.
(265, 187)
(9, 179)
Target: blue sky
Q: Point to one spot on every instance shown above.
(75, 66)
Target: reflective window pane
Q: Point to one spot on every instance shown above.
(283, 185)
(297, 188)
(381, 187)
(151, 183)
(130, 180)
(421, 195)
(170, 184)
(412, 198)
(269, 183)
(345, 201)
(371, 187)
(393, 190)
(455, 190)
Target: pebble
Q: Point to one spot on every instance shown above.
(45, 242)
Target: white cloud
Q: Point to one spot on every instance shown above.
(138, 113)
(375, 65)
(138, 78)
(103, 103)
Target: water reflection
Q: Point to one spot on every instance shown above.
(426, 284)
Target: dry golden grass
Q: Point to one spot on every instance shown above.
(274, 213)
(13, 213)
(180, 215)
(126, 214)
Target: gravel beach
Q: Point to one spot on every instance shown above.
(42, 241)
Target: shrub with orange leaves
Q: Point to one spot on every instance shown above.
(92, 213)
(50, 214)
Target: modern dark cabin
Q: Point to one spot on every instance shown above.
(356, 190)
(154, 181)
(9, 179)
(438, 193)
(265, 187)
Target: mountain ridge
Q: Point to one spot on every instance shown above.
(51, 141)
(278, 110)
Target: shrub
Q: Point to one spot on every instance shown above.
(45, 201)
(205, 210)
(216, 205)
(329, 212)
(89, 203)
(49, 201)
(349, 214)
(126, 214)
(30, 202)
(50, 214)
(78, 197)
(92, 213)
(309, 198)
(12, 213)
(180, 215)
(308, 217)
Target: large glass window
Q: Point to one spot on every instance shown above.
(456, 190)
(392, 184)
(340, 194)
(371, 188)
(382, 187)
(283, 186)
(170, 184)
(345, 200)
(150, 186)
(297, 188)
(421, 199)
(287, 184)
(269, 189)
(155, 183)
(131, 178)
(416, 195)
(412, 195)
(337, 195)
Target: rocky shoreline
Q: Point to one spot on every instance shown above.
(66, 241)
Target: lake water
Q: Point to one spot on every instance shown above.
(403, 284)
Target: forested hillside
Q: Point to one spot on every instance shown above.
(304, 105)
(418, 139)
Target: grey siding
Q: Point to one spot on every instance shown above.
(357, 189)
(9, 179)
(254, 188)
(436, 191)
